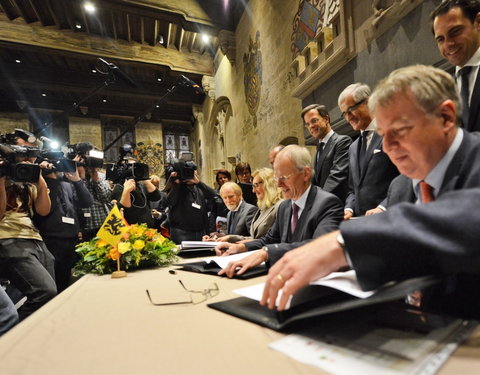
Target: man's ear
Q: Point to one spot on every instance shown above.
(448, 112)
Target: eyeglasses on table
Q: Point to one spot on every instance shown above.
(196, 296)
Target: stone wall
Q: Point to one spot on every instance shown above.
(10, 121)
(85, 130)
(277, 116)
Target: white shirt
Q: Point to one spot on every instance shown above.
(302, 201)
(474, 62)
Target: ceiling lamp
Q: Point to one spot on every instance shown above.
(205, 38)
(89, 7)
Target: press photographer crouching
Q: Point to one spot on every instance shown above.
(188, 212)
(61, 227)
(133, 190)
(24, 258)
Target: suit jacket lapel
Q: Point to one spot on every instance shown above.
(300, 230)
(374, 145)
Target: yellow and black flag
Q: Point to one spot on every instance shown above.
(113, 227)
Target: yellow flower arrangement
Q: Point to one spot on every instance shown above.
(139, 247)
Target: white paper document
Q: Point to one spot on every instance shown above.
(223, 261)
(343, 281)
(380, 352)
(198, 244)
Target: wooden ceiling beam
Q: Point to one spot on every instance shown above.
(18, 32)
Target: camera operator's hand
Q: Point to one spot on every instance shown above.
(174, 177)
(148, 184)
(129, 185)
(47, 167)
(42, 203)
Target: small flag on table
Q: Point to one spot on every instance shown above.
(111, 231)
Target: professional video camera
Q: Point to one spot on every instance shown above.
(55, 157)
(91, 157)
(119, 172)
(185, 167)
(18, 171)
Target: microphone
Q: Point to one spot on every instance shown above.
(118, 73)
(185, 81)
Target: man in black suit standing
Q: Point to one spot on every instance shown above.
(240, 213)
(306, 213)
(331, 159)
(371, 171)
(456, 27)
(415, 108)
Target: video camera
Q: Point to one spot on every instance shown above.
(91, 157)
(122, 171)
(18, 171)
(185, 167)
(55, 157)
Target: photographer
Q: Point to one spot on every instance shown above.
(60, 228)
(24, 258)
(94, 216)
(135, 194)
(188, 212)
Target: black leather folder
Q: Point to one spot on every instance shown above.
(212, 268)
(314, 301)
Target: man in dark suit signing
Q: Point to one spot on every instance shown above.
(371, 171)
(240, 213)
(456, 27)
(306, 213)
(416, 112)
(330, 165)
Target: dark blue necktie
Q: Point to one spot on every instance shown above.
(464, 94)
(231, 226)
(363, 149)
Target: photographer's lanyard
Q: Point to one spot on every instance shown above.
(195, 204)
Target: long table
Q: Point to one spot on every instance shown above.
(108, 326)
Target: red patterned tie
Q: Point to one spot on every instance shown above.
(415, 298)
(293, 224)
(425, 192)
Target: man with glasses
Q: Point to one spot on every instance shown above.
(331, 159)
(307, 212)
(416, 112)
(370, 169)
(456, 27)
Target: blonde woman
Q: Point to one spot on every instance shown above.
(269, 197)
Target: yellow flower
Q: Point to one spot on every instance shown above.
(123, 247)
(136, 230)
(138, 245)
(101, 243)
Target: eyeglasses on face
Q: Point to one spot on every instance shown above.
(352, 108)
(256, 185)
(196, 296)
(283, 179)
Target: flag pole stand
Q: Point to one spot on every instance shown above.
(118, 273)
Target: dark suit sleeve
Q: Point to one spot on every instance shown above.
(327, 219)
(409, 240)
(339, 171)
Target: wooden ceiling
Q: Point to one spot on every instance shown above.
(119, 61)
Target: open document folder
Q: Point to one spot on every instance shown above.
(333, 294)
(196, 248)
(213, 265)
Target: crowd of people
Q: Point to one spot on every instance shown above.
(409, 180)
